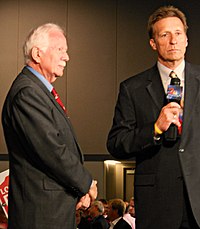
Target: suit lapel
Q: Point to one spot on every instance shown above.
(192, 93)
(43, 87)
(29, 74)
(155, 88)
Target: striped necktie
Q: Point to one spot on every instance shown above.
(57, 98)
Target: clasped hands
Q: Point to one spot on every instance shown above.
(85, 201)
(168, 115)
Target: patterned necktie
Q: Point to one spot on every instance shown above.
(57, 98)
(176, 81)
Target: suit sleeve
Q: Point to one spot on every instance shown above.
(131, 132)
(48, 140)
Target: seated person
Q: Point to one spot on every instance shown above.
(96, 213)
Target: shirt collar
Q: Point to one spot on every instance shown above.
(41, 78)
(164, 74)
(164, 71)
(116, 221)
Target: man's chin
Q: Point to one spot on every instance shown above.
(54, 78)
(58, 76)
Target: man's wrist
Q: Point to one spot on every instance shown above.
(156, 138)
(157, 130)
(157, 133)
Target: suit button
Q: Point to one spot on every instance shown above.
(181, 150)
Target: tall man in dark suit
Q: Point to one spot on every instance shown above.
(167, 187)
(47, 176)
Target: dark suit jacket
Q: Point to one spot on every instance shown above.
(161, 167)
(46, 171)
(122, 224)
(99, 223)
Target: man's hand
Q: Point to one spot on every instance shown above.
(169, 114)
(84, 202)
(93, 190)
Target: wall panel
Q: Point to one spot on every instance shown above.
(91, 70)
(8, 51)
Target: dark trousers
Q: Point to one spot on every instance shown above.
(188, 220)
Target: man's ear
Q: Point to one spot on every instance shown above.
(36, 54)
(187, 42)
(152, 44)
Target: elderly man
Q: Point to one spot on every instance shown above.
(47, 176)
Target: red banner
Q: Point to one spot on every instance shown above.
(4, 182)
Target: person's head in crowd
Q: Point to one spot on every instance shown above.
(132, 207)
(45, 50)
(78, 217)
(105, 204)
(127, 207)
(3, 219)
(96, 209)
(117, 209)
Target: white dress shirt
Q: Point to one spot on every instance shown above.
(164, 73)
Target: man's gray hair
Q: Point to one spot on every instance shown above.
(99, 206)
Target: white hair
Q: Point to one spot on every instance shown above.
(99, 206)
(39, 37)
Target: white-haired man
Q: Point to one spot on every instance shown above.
(47, 176)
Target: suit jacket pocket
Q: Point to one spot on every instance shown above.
(50, 185)
(144, 180)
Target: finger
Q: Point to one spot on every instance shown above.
(173, 105)
(174, 117)
(78, 205)
(175, 121)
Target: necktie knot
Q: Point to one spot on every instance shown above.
(173, 75)
(57, 98)
(174, 78)
(54, 93)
